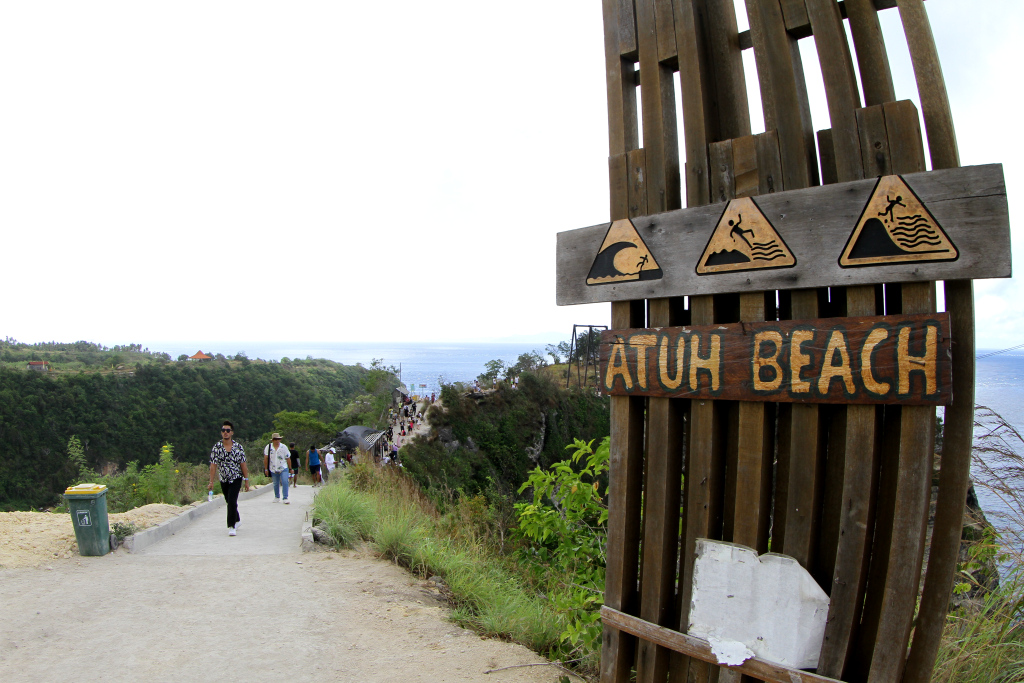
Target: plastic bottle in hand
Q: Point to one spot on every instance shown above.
(209, 496)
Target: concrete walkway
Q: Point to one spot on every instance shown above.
(267, 528)
(202, 605)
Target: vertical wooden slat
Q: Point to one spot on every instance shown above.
(957, 438)
(626, 463)
(661, 516)
(783, 92)
(840, 86)
(658, 108)
(913, 486)
(622, 123)
(729, 98)
(856, 430)
(869, 45)
(702, 485)
(938, 119)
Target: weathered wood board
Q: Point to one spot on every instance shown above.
(902, 359)
(946, 224)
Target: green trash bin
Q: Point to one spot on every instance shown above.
(88, 506)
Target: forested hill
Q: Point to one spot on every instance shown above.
(127, 414)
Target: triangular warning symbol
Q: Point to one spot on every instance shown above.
(744, 239)
(623, 257)
(896, 227)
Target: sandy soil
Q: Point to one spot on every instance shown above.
(30, 539)
(303, 617)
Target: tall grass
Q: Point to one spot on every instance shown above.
(404, 526)
(984, 639)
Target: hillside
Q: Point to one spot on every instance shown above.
(123, 415)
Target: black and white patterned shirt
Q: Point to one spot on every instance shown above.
(229, 465)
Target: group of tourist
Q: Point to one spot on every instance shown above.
(280, 463)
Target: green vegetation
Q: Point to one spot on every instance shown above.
(123, 416)
(984, 637)
(455, 543)
(487, 443)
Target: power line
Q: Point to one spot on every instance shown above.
(995, 353)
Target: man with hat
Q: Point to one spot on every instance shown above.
(276, 461)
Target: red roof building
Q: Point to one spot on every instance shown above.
(39, 365)
(200, 356)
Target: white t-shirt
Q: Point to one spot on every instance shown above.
(329, 461)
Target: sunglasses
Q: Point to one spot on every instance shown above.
(225, 430)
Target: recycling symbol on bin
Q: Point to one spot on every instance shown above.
(83, 518)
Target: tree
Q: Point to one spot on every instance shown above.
(493, 369)
(559, 352)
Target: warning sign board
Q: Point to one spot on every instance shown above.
(896, 227)
(623, 257)
(744, 239)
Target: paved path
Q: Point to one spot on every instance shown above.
(205, 606)
(267, 528)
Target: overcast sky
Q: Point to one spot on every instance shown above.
(339, 171)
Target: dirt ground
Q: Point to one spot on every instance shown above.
(293, 616)
(307, 617)
(31, 539)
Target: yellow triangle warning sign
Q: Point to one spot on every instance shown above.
(623, 257)
(744, 239)
(896, 227)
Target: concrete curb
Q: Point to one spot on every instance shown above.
(148, 537)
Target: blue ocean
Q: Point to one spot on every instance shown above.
(422, 366)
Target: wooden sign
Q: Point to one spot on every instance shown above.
(892, 359)
(939, 225)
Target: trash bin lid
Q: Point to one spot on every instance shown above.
(84, 489)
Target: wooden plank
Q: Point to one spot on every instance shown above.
(661, 517)
(954, 479)
(960, 417)
(754, 451)
(869, 45)
(722, 180)
(666, 30)
(874, 141)
(618, 176)
(847, 575)
(827, 157)
(783, 92)
(701, 649)
(624, 499)
(621, 92)
(903, 129)
(659, 115)
(910, 516)
(696, 101)
(968, 203)
(731, 113)
(840, 86)
(860, 360)
(636, 192)
(702, 484)
(938, 119)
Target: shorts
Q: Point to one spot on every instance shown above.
(314, 469)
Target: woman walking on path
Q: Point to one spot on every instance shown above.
(313, 463)
(227, 461)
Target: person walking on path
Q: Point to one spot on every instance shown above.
(227, 461)
(295, 463)
(328, 464)
(313, 463)
(276, 460)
